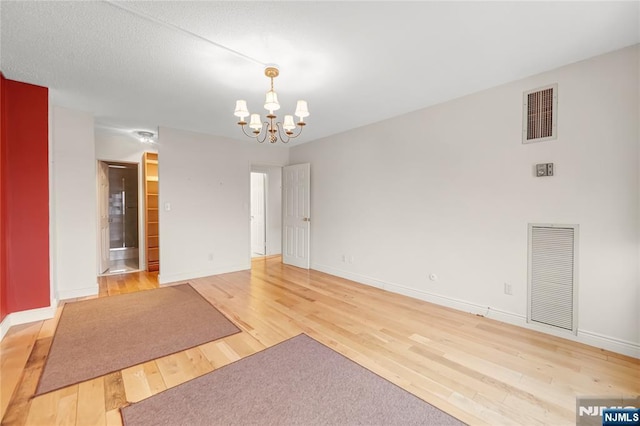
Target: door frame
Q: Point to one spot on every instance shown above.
(273, 247)
(103, 203)
(141, 249)
(265, 180)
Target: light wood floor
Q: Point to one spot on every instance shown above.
(479, 370)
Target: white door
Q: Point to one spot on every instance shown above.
(103, 205)
(296, 218)
(258, 230)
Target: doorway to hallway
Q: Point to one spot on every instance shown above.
(119, 219)
(265, 220)
(258, 214)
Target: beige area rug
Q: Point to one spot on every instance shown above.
(99, 336)
(297, 382)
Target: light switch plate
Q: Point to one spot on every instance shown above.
(544, 169)
(541, 170)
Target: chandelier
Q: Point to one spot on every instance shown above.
(273, 129)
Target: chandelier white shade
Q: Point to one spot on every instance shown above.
(255, 123)
(273, 128)
(271, 102)
(241, 109)
(288, 123)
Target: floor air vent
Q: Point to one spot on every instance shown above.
(553, 275)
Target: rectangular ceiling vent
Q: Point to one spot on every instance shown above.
(553, 290)
(540, 114)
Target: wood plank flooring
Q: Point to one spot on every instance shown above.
(479, 370)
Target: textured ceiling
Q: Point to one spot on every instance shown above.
(132, 65)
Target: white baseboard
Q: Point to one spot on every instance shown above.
(78, 292)
(587, 337)
(172, 278)
(5, 325)
(23, 317)
(613, 344)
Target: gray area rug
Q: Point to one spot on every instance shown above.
(297, 382)
(99, 336)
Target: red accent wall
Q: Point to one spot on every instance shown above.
(25, 192)
(3, 260)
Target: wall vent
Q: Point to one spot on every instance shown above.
(540, 114)
(552, 276)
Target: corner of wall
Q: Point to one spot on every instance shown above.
(23, 317)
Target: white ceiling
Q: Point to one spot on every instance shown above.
(133, 66)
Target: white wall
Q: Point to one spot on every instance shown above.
(206, 181)
(122, 147)
(74, 204)
(450, 190)
(274, 207)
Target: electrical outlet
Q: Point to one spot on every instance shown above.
(351, 259)
(210, 257)
(344, 258)
(507, 289)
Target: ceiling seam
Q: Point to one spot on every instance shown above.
(183, 30)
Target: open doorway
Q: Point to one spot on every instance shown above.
(258, 214)
(119, 219)
(266, 210)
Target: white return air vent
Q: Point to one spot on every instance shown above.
(540, 114)
(552, 275)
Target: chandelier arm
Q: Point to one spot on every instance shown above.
(247, 134)
(285, 138)
(264, 138)
(289, 137)
(253, 136)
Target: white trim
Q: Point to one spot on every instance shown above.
(583, 336)
(5, 325)
(348, 275)
(622, 346)
(79, 292)
(450, 302)
(23, 317)
(168, 279)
